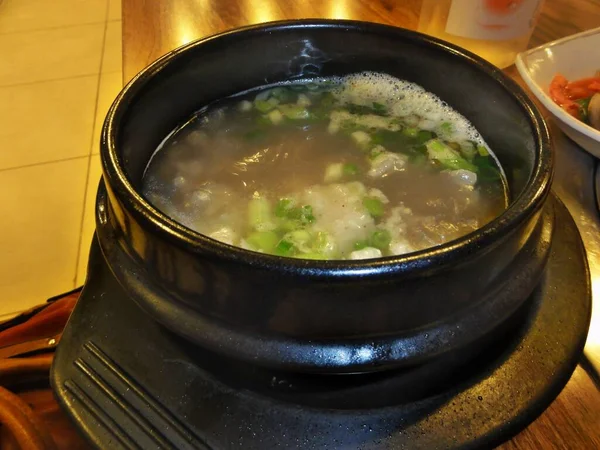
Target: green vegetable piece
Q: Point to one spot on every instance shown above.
(488, 171)
(381, 239)
(285, 209)
(321, 241)
(298, 237)
(263, 240)
(401, 141)
(282, 94)
(285, 248)
(374, 206)
(359, 245)
(259, 214)
(327, 100)
(425, 135)
(294, 112)
(283, 206)
(482, 150)
(375, 152)
(447, 128)
(265, 105)
(287, 225)
(303, 214)
(468, 149)
(358, 109)
(584, 104)
(380, 108)
(313, 255)
(275, 116)
(301, 239)
(447, 156)
(349, 169)
(306, 215)
(411, 132)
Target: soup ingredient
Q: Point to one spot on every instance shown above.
(358, 167)
(575, 97)
(594, 111)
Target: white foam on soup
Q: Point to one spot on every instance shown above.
(403, 99)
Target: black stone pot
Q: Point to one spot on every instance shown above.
(333, 316)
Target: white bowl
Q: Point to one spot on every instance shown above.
(575, 56)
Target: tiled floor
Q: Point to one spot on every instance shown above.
(60, 68)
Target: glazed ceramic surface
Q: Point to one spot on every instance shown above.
(332, 316)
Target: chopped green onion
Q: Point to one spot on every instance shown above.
(322, 241)
(298, 236)
(424, 136)
(313, 255)
(482, 150)
(327, 100)
(447, 127)
(376, 151)
(468, 149)
(359, 245)
(259, 214)
(447, 156)
(265, 105)
(285, 248)
(282, 94)
(263, 240)
(374, 206)
(379, 108)
(350, 169)
(488, 173)
(301, 239)
(287, 225)
(294, 112)
(303, 101)
(285, 209)
(307, 215)
(275, 116)
(283, 206)
(487, 169)
(584, 104)
(410, 132)
(381, 239)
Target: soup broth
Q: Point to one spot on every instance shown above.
(357, 167)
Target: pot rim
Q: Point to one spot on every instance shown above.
(527, 203)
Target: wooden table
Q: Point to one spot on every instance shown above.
(152, 28)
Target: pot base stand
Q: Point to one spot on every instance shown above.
(128, 383)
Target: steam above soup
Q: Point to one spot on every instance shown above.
(357, 167)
